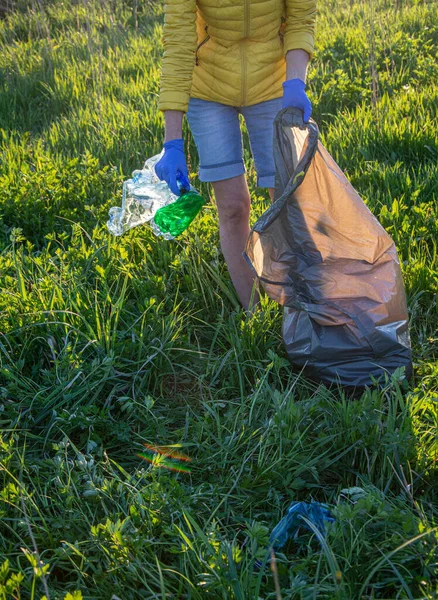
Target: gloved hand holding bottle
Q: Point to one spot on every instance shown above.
(145, 199)
(172, 167)
(294, 94)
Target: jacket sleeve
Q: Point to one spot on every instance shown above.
(299, 32)
(180, 41)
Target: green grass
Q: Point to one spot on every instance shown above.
(107, 344)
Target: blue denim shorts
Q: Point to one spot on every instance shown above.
(216, 130)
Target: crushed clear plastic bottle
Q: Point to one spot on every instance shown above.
(147, 199)
(142, 196)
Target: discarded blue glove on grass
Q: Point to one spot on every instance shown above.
(294, 94)
(288, 527)
(172, 167)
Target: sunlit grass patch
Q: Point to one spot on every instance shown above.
(110, 346)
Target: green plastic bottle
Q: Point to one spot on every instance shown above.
(174, 218)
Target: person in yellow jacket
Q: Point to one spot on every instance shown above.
(223, 58)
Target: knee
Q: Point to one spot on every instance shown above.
(235, 207)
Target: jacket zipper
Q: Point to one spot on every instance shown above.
(204, 41)
(246, 17)
(281, 30)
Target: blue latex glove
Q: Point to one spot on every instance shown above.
(172, 167)
(289, 525)
(294, 94)
(287, 529)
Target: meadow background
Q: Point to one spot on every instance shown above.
(107, 344)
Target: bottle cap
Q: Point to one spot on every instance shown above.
(183, 183)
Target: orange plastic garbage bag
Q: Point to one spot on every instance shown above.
(319, 251)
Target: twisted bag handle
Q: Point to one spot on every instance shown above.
(287, 181)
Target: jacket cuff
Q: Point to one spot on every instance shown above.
(174, 101)
(299, 41)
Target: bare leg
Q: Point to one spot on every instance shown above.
(233, 204)
(271, 193)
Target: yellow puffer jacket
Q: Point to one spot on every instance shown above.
(231, 51)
